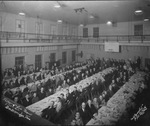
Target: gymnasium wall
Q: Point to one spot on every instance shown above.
(128, 51)
(8, 54)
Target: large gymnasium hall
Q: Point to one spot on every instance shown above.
(77, 63)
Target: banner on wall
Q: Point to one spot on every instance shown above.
(112, 47)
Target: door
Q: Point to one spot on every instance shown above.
(38, 61)
(19, 61)
(52, 57)
(64, 57)
(147, 62)
(85, 32)
(95, 32)
(73, 55)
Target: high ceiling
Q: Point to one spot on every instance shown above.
(103, 11)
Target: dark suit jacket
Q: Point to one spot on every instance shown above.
(8, 94)
(75, 94)
(91, 109)
(85, 115)
(49, 113)
(109, 95)
(41, 95)
(26, 103)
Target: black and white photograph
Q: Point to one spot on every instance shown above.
(75, 63)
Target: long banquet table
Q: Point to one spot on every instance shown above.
(118, 103)
(37, 82)
(39, 106)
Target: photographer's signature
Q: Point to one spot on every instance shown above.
(140, 112)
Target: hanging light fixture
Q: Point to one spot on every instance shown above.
(22, 13)
(109, 23)
(59, 21)
(91, 16)
(146, 19)
(81, 25)
(57, 6)
(138, 11)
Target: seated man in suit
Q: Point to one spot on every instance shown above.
(69, 97)
(18, 93)
(49, 112)
(26, 101)
(17, 100)
(63, 100)
(115, 88)
(102, 101)
(110, 93)
(58, 104)
(35, 98)
(49, 92)
(8, 93)
(75, 93)
(65, 85)
(41, 94)
(85, 114)
(80, 89)
(96, 103)
(33, 87)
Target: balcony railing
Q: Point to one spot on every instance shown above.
(32, 37)
(118, 38)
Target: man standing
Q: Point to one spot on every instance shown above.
(85, 114)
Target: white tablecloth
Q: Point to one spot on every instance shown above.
(39, 106)
(118, 103)
(37, 82)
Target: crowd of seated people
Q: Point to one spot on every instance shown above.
(16, 75)
(52, 85)
(90, 108)
(17, 71)
(52, 82)
(30, 96)
(99, 91)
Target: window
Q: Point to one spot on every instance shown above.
(64, 57)
(39, 29)
(52, 57)
(138, 29)
(96, 32)
(65, 30)
(73, 31)
(0, 23)
(38, 61)
(85, 32)
(20, 26)
(19, 61)
(147, 62)
(73, 56)
(53, 30)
